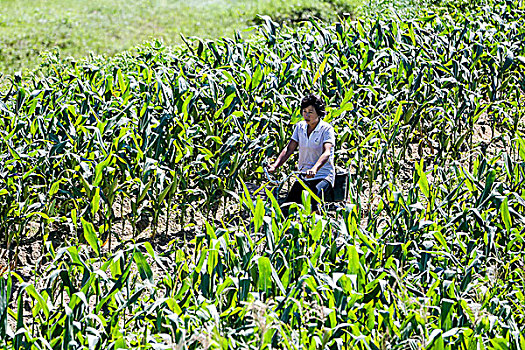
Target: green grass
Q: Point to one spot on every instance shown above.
(77, 28)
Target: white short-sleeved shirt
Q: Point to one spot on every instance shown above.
(311, 148)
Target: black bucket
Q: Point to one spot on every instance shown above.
(340, 190)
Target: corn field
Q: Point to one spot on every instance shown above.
(427, 252)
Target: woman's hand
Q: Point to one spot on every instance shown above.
(271, 168)
(310, 173)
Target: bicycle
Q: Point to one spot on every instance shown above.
(338, 194)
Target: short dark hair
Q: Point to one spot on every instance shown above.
(314, 101)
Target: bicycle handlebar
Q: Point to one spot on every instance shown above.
(272, 180)
(269, 177)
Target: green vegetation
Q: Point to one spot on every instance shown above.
(77, 28)
(427, 253)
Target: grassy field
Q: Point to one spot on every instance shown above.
(77, 28)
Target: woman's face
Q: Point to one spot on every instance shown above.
(310, 115)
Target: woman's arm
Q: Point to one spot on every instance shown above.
(327, 149)
(284, 155)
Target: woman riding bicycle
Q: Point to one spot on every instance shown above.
(316, 141)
